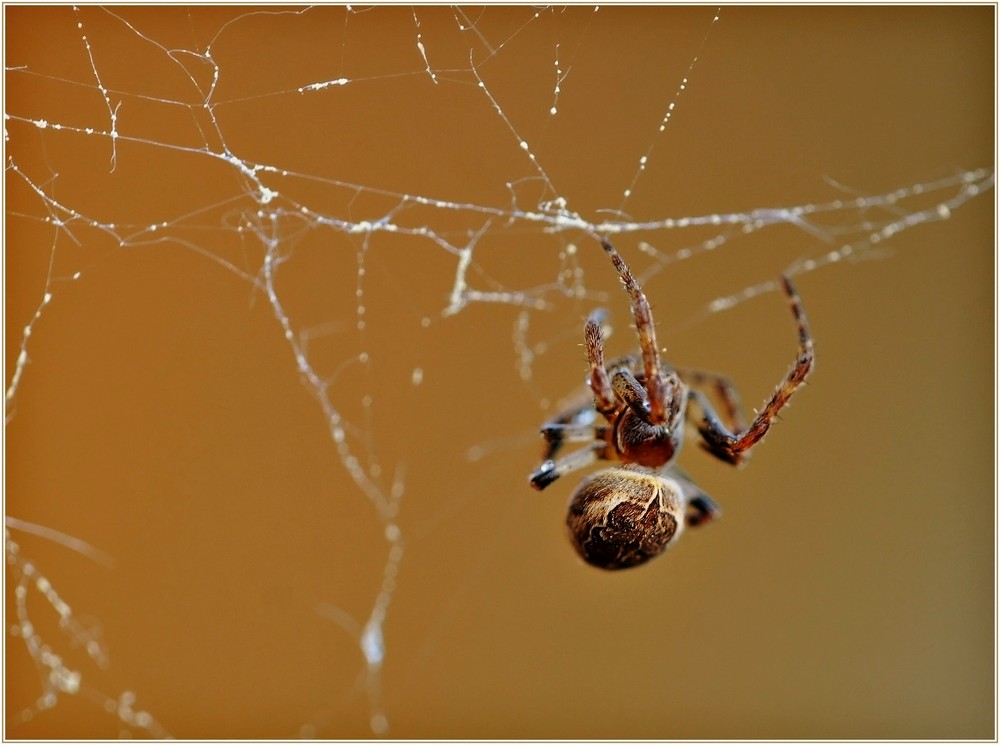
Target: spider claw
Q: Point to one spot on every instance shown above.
(544, 475)
(720, 448)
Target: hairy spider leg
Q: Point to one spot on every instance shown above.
(647, 336)
(600, 384)
(730, 446)
(727, 393)
(570, 426)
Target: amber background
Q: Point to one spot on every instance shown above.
(848, 591)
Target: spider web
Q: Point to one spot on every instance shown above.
(290, 291)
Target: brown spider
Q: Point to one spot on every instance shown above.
(627, 514)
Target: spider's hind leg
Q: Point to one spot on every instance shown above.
(551, 470)
(701, 508)
(557, 434)
(576, 423)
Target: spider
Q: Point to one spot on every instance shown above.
(631, 512)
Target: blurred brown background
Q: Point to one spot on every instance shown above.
(847, 591)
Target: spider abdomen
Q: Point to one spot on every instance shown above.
(622, 517)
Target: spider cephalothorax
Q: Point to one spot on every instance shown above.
(629, 513)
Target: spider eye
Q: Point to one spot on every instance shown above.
(623, 517)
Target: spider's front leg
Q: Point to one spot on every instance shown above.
(645, 328)
(732, 447)
(577, 424)
(600, 384)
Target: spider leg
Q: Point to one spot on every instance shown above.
(604, 398)
(731, 446)
(576, 424)
(557, 434)
(732, 414)
(701, 507)
(551, 470)
(647, 336)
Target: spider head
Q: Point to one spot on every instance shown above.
(638, 438)
(621, 517)
(642, 442)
